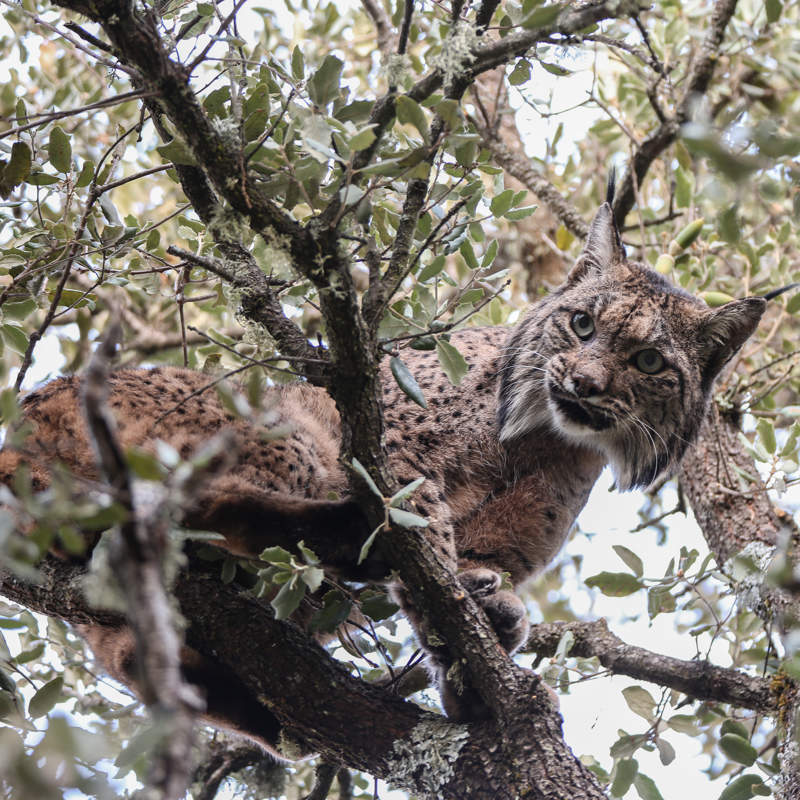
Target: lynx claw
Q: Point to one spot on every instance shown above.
(480, 582)
(505, 610)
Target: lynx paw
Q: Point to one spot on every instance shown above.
(505, 610)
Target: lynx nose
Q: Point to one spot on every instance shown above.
(589, 380)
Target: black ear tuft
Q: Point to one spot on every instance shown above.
(611, 186)
(776, 292)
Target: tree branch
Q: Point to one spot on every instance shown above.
(697, 679)
(136, 557)
(696, 84)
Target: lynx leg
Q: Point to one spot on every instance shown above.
(229, 704)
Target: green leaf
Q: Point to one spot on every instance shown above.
(323, 87)
(684, 723)
(377, 605)
(228, 572)
(313, 577)
(624, 774)
(793, 305)
(46, 697)
(490, 254)
(448, 110)
(521, 73)
(17, 169)
(288, 598)
(666, 752)
(615, 584)
(766, 433)
(276, 555)
(406, 519)
(335, 610)
(435, 267)
(516, 214)
(177, 152)
(738, 749)
(646, 788)
(732, 726)
(359, 468)
(144, 465)
(468, 254)
(309, 556)
(42, 179)
(540, 17)
(451, 361)
(19, 311)
(405, 492)
(728, 224)
(555, 69)
(627, 745)
(59, 150)
(361, 139)
(15, 338)
(683, 188)
(660, 600)
(298, 64)
(631, 559)
(502, 202)
(406, 381)
(409, 112)
(32, 654)
(640, 701)
(743, 788)
(773, 9)
(365, 548)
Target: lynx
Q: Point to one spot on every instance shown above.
(614, 367)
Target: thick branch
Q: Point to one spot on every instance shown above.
(698, 679)
(522, 169)
(326, 709)
(730, 514)
(383, 25)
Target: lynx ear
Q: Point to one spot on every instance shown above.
(603, 245)
(725, 330)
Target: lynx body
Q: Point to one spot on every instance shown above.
(615, 366)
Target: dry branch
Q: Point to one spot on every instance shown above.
(136, 557)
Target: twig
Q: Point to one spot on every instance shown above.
(74, 42)
(72, 252)
(213, 265)
(408, 14)
(43, 119)
(213, 39)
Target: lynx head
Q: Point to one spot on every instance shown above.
(619, 360)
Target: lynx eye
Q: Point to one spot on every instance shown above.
(582, 324)
(649, 361)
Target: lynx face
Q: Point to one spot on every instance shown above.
(619, 360)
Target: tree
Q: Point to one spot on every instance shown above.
(229, 192)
